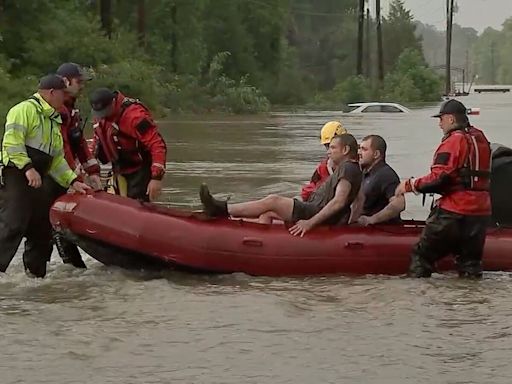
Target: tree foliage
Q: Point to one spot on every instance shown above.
(181, 55)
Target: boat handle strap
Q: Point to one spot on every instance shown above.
(252, 242)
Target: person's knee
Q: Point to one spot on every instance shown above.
(272, 200)
(266, 218)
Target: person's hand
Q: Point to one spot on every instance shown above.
(80, 187)
(301, 227)
(95, 182)
(154, 189)
(401, 189)
(33, 177)
(366, 220)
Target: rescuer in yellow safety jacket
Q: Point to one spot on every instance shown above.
(32, 152)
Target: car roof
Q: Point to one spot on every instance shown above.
(373, 103)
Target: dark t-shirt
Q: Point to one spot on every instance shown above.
(348, 170)
(379, 186)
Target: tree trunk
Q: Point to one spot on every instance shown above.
(367, 57)
(141, 23)
(360, 33)
(106, 16)
(380, 56)
(174, 39)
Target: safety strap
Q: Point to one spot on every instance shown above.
(127, 102)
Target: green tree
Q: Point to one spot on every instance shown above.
(398, 28)
(486, 58)
(411, 80)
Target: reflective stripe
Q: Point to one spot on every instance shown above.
(56, 152)
(158, 165)
(90, 163)
(11, 150)
(477, 157)
(16, 128)
(60, 170)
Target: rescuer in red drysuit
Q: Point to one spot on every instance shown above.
(460, 173)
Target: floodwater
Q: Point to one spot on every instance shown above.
(106, 325)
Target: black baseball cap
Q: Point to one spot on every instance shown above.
(452, 107)
(52, 82)
(101, 101)
(73, 71)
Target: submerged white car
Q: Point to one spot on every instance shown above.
(377, 107)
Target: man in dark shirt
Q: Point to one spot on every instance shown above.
(329, 204)
(377, 195)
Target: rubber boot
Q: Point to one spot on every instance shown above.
(419, 267)
(470, 270)
(212, 207)
(68, 251)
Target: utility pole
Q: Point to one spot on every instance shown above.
(367, 57)
(360, 32)
(380, 56)
(449, 23)
(468, 72)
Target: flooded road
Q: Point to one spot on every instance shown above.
(105, 325)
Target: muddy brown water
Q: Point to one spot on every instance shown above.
(106, 325)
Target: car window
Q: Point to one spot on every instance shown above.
(372, 108)
(390, 108)
(350, 108)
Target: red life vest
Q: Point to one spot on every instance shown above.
(322, 172)
(74, 144)
(119, 148)
(475, 172)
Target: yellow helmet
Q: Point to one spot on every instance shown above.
(329, 130)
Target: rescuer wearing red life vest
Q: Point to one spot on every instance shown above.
(325, 168)
(75, 145)
(126, 135)
(75, 148)
(460, 173)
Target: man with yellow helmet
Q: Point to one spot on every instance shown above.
(324, 169)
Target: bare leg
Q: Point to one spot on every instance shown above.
(268, 217)
(281, 206)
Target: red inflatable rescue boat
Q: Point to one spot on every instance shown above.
(124, 232)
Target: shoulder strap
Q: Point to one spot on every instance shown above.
(128, 102)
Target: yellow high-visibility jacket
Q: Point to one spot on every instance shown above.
(31, 125)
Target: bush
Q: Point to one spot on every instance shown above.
(352, 90)
(411, 80)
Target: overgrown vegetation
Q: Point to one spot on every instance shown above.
(210, 55)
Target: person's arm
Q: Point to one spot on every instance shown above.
(332, 207)
(146, 131)
(445, 165)
(310, 187)
(143, 127)
(87, 160)
(394, 207)
(17, 125)
(356, 209)
(390, 211)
